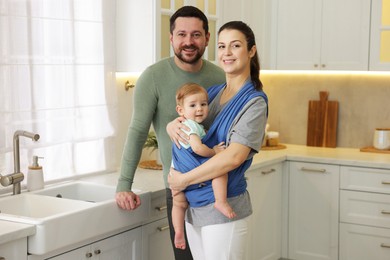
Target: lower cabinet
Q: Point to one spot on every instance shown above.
(14, 250)
(265, 230)
(126, 245)
(358, 242)
(364, 213)
(156, 241)
(313, 217)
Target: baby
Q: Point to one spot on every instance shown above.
(192, 104)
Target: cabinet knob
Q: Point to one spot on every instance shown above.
(88, 255)
(97, 251)
(385, 245)
(315, 65)
(267, 172)
(161, 208)
(163, 228)
(323, 65)
(304, 169)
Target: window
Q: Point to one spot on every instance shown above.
(57, 79)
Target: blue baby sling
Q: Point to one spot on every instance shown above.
(185, 160)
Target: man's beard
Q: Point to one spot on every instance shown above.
(191, 60)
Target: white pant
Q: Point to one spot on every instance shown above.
(219, 242)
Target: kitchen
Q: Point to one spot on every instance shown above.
(293, 89)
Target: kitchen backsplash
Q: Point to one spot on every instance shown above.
(363, 104)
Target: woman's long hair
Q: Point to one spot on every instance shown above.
(250, 39)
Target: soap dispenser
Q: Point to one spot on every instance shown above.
(35, 175)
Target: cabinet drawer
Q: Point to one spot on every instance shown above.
(158, 207)
(365, 179)
(363, 243)
(365, 208)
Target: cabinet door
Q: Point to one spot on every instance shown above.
(298, 34)
(345, 34)
(313, 211)
(380, 35)
(127, 245)
(265, 189)
(363, 242)
(156, 241)
(81, 253)
(14, 250)
(318, 34)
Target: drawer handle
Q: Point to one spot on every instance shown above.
(88, 255)
(384, 245)
(163, 228)
(386, 182)
(385, 212)
(304, 169)
(267, 172)
(161, 208)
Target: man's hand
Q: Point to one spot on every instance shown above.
(127, 200)
(175, 132)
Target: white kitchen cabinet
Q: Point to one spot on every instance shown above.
(126, 245)
(259, 15)
(323, 34)
(364, 213)
(265, 189)
(143, 30)
(380, 35)
(156, 241)
(313, 211)
(14, 250)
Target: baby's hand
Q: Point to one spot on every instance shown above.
(219, 147)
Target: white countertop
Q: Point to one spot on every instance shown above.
(152, 180)
(11, 231)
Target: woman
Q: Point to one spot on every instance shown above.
(238, 110)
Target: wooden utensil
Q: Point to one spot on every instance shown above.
(322, 122)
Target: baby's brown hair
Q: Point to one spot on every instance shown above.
(187, 90)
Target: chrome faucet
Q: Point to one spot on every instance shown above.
(17, 177)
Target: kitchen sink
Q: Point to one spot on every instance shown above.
(70, 214)
(32, 208)
(83, 191)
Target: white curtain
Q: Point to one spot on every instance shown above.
(57, 79)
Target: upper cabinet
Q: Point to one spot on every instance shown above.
(380, 35)
(143, 30)
(322, 34)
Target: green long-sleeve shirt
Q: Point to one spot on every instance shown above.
(154, 102)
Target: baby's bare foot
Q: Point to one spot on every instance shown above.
(225, 209)
(180, 241)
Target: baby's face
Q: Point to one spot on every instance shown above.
(195, 107)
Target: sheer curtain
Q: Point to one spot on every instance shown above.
(57, 79)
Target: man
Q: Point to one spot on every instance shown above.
(154, 102)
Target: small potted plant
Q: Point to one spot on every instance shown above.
(151, 142)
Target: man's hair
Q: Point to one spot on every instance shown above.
(189, 11)
(186, 90)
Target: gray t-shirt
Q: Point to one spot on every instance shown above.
(248, 129)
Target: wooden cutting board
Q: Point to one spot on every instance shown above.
(322, 122)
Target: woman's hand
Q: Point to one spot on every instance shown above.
(175, 132)
(176, 181)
